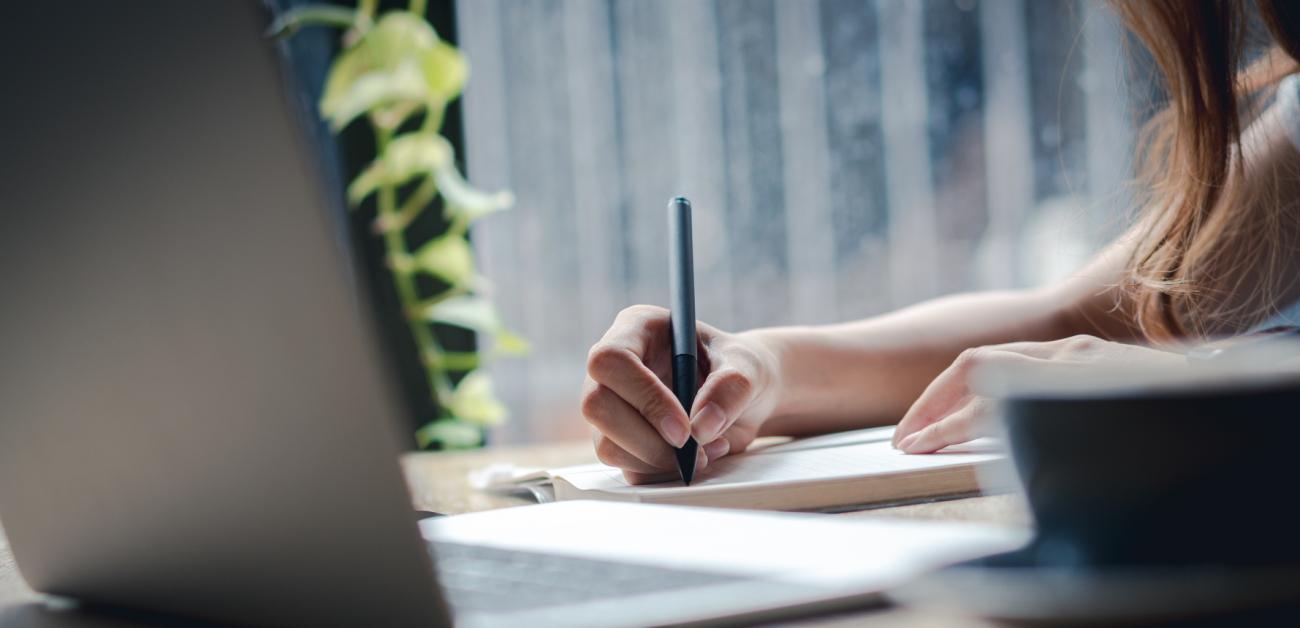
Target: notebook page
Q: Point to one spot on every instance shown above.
(799, 461)
(852, 437)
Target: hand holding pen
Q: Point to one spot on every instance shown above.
(640, 422)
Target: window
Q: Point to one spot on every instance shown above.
(844, 158)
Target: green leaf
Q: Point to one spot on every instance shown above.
(448, 257)
(294, 19)
(474, 401)
(407, 156)
(463, 201)
(396, 68)
(471, 312)
(374, 90)
(397, 35)
(347, 66)
(477, 314)
(445, 72)
(451, 434)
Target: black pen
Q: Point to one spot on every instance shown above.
(681, 270)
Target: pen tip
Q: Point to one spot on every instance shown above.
(686, 460)
(688, 473)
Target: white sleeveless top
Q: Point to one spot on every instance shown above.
(1287, 108)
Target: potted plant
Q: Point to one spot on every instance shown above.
(396, 76)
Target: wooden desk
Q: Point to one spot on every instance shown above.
(438, 483)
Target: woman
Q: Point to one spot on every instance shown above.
(1214, 253)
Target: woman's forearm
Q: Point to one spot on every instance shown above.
(868, 372)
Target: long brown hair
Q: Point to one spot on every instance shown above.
(1208, 253)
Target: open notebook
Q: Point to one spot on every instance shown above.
(835, 471)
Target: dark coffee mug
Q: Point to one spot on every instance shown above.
(1207, 477)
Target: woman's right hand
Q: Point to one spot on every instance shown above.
(637, 419)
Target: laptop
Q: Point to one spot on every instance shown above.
(200, 418)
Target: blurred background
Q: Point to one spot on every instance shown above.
(844, 158)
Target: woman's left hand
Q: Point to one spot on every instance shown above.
(949, 412)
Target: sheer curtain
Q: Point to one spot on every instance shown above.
(843, 157)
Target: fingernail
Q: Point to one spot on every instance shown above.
(906, 443)
(701, 460)
(673, 431)
(717, 448)
(708, 422)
